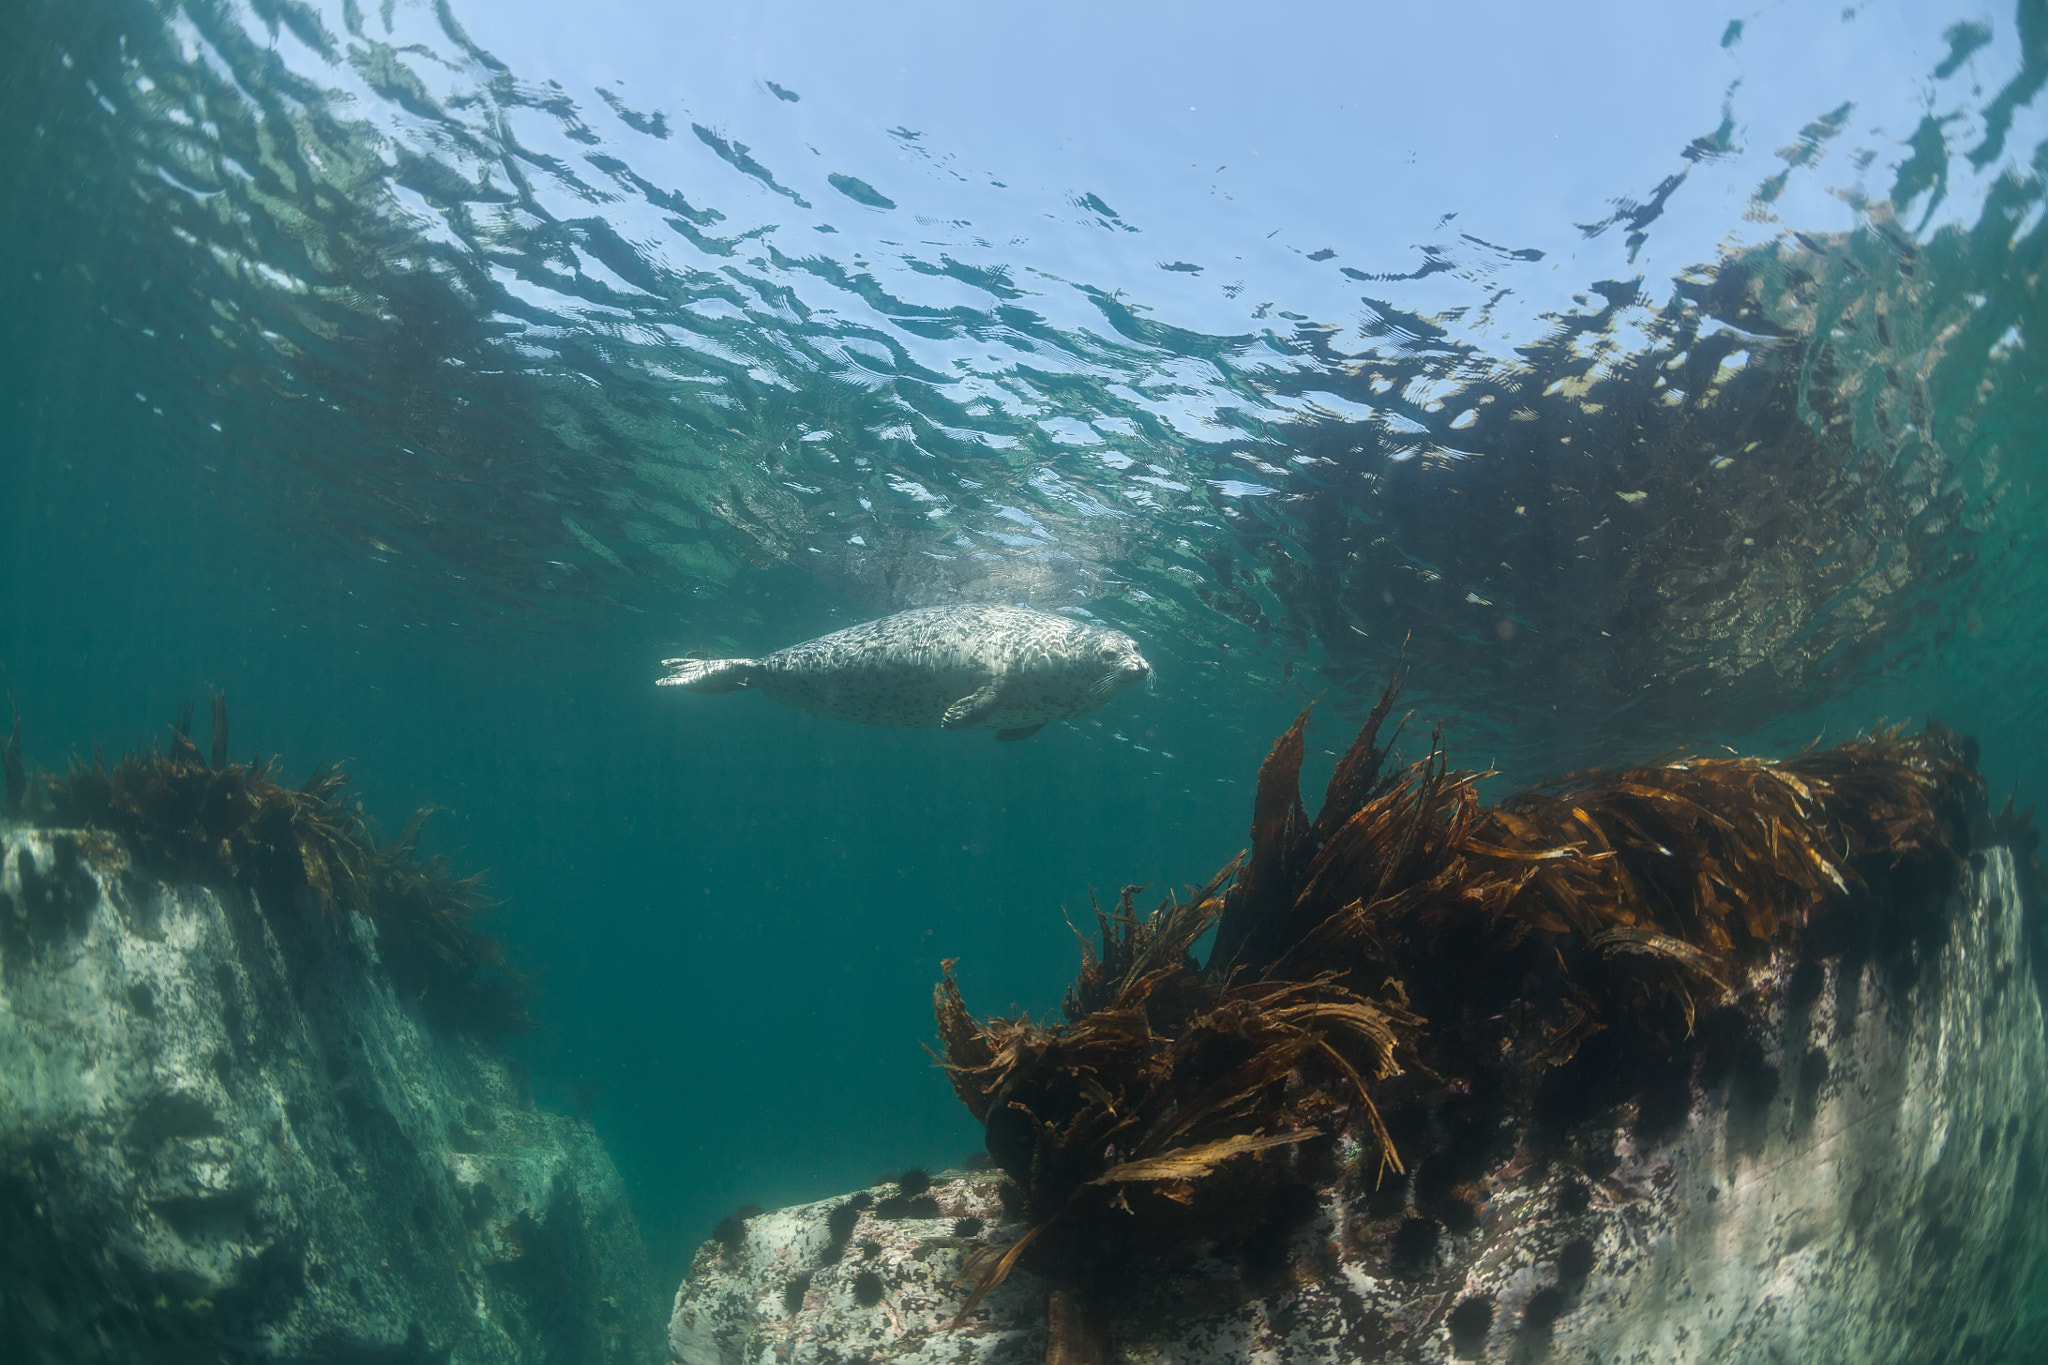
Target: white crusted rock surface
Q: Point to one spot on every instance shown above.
(787, 1295)
(1862, 1183)
(223, 1138)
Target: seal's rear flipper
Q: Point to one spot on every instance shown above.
(695, 674)
(1021, 732)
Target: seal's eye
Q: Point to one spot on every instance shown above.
(1108, 653)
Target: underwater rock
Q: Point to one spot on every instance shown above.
(789, 1291)
(223, 1136)
(1858, 1179)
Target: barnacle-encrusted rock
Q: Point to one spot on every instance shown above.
(224, 1137)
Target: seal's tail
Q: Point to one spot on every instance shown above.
(700, 674)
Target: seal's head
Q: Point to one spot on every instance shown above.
(1117, 664)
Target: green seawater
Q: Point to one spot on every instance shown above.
(422, 402)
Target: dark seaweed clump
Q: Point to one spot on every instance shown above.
(304, 852)
(1413, 962)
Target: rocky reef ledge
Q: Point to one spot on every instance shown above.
(1842, 1158)
(225, 1137)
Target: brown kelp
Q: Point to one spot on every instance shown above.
(1431, 978)
(10, 760)
(305, 852)
(1160, 1079)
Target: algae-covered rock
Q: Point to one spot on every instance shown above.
(1857, 1176)
(224, 1137)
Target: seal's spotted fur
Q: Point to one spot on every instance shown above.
(998, 668)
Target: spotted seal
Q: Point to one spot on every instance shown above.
(1005, 669)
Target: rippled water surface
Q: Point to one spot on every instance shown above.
(422, 374)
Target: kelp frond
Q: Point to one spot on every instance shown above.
(299, 850)
(10, 760)
(1162, 1076)
(1188, 1163)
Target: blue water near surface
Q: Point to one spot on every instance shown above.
(421, 375)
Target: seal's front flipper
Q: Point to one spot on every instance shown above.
(695, 673)
(1021, 732)
(972, 709)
